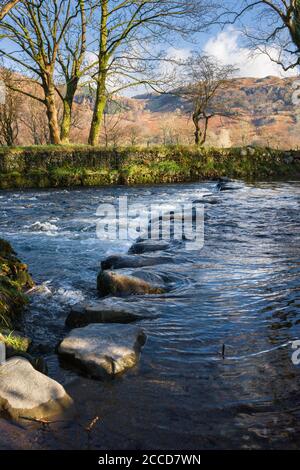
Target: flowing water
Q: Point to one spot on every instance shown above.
(241, 290)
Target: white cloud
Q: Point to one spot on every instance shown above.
(177, 53)
(226, 47)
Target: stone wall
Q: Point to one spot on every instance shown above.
(45, 167)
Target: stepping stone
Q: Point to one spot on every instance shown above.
(111, 283)
(103, 351)
(134, 261)
(26, 393)
(147, 246)
(111, 310)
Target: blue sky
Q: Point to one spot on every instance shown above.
(228, 47)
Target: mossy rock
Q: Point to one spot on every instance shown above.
(14, 280)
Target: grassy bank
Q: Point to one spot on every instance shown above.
(14, 280)
(71, 166)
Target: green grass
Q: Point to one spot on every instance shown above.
(14, 341)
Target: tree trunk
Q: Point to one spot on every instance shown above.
(197, 130)
(203, 140)
(68, 101)
(99, 108)
(294, 26)
(72, 78)
(100, 102)
(65, 127)
(52, 116)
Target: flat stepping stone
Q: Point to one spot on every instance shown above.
(112, 310)
(119, 285)
(103, 351)
(26, 393)
(148, 246)
(134, 261)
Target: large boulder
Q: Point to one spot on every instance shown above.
(103, 351)
(110, 310)
(37, 363)
(26, 393)
(134, 261)
(119, 285)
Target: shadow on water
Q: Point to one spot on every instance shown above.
(241, 290)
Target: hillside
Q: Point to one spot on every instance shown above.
(263, 110)
(247, 95)
(261, 113)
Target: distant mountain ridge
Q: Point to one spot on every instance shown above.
(249, 95)
(264, 110)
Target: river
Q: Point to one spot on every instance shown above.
(241, 289)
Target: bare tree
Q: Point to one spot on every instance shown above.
(35, 31)
(276, 27)
(70, 58)
(204, 81)
(10, 111)
(124, 28)
(35, 121)
(170, 131)
(112, 129)
(133, 133)
(5, 9)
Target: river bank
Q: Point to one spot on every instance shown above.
(81, 166)
(14, 279)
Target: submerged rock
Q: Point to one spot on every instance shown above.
(26, 393)
(133, 261)
(212, 201)
(111, 283)
(146, 246)
(112, 310)
(103, 350)
(224, 185)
